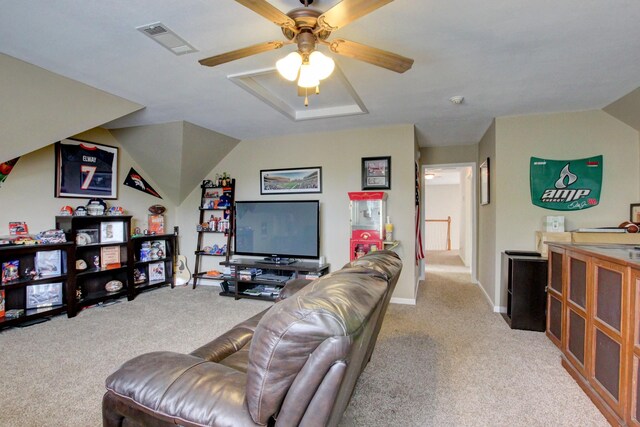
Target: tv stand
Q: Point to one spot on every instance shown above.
(244, 282)
(278, 261)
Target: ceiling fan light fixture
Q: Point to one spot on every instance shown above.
(289, 66)
(308, 77)
(322, 65)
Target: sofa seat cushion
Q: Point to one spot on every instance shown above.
(183, 388)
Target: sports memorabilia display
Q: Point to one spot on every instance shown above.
(566, 185)
(85, 169)
(135, 180)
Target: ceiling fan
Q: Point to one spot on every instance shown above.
(309, 27)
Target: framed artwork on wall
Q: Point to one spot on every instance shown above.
(86, 170)
(376, 173)
(291, 181)
(484, 182)
(634, 215)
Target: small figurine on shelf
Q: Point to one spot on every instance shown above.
(96, 261)
(31, 273)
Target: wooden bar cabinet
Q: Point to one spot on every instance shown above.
(593, 316)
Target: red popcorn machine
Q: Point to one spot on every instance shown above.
(367, 220)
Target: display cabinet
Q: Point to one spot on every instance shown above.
(102, 255)
(598, 310)
(37, 283)
(633, 356)
(555, 296)
(368, 211)
(215, 229)
(154, 261)
(255, 279)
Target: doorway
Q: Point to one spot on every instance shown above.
(450, 217)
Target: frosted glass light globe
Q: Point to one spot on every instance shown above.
(289, 65)
(322, 65)
(308, 76)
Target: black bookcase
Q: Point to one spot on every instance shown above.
(524, 275)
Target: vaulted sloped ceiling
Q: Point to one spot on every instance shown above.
(39, 107)
(627, 109)
(176, 155)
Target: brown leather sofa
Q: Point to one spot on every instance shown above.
(296, 363)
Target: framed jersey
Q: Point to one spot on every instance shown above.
(86, 170)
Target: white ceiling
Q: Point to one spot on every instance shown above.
(506, 57)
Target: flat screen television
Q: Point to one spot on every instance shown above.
(279, 230)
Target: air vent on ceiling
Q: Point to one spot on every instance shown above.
(167, 38)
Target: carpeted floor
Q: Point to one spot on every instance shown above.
(449, 361)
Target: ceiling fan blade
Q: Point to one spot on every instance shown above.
(346, 11)
(273, 14)
(240, 53)
(372, 55)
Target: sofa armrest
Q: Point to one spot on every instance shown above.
(180, 388)
(292, 287)
(229, 342)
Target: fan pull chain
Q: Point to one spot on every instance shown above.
(306, 97)
(318, 90)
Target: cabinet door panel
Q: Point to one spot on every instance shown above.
(635, 402)
(607, 363)
(556, 271)
(578, 282)
(576, 337)
(609, 297)
(555, 317)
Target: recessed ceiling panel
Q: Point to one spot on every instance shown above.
(337, 97)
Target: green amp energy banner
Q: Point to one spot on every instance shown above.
(566, 185)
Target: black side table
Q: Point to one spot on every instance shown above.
(524, 274)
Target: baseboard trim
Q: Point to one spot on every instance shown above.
(495, 308)
(405, 301)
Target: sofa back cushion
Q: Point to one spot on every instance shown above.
(385, 262)
(328, 313)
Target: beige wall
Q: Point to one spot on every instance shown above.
(487, 275)
(340, 156)
(466, 216)
(28, 193)
(560, 136)
(39, 107)
(451, 154)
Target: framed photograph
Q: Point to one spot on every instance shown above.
(291, 181)
(155, 224)
(112, 232)
(10, 271)
(46, 295)
(156, 272)
(110, 257)
(484, 182)
(48, 263)
(634, 213)
(376, 173)
(87, 236)
(86, 170)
